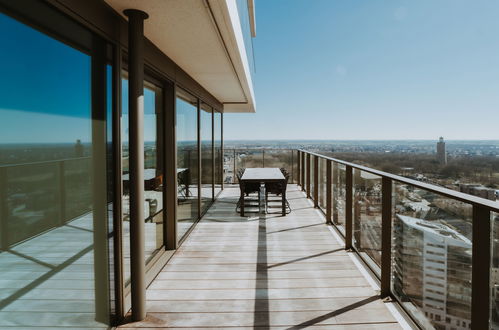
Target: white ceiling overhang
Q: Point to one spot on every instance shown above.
(204, 38)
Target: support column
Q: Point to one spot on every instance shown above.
(136, 150)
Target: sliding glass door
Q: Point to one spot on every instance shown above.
(187, 162)
(55, 188)
(154, 215)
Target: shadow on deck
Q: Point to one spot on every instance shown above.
(273, 272)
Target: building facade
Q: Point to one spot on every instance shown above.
(441, 153)
(432, 264)
(111, 146)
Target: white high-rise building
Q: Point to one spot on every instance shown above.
(433, 270)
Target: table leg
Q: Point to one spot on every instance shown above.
(262, 201)
(283, 195)
(241, 199)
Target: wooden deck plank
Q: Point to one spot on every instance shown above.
(271, 272)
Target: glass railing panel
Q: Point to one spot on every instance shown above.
(322, 184)
(431, 258)
(304, 166)
(246, 158)
(33, 201)
(339, 195)
(366, 215)
(281, 158)
(294, 166)
(229, 165)
(76, 187)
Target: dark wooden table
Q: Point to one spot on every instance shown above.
(263, 175)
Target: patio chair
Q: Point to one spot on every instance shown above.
(276, 188)
(246, 189)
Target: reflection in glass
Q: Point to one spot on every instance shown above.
(125, 203)
(432, 256)
(187, 162)
(339, 195)
(52, 206)
(367, 214)
(153, 170)
(322, 183)
(153, 173)
(206, 156)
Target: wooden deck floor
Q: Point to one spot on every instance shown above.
(273, 272)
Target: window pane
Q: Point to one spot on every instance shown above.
(187, 162)
(153, 170)
(206, 156)
(153, 173)
(53, 194)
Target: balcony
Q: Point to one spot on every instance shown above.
(361, 248)
(265, 270)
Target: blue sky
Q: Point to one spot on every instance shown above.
(366, 69)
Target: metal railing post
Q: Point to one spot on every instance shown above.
(480, 271)
(298, 167)
(348, 207)
(234, 169)
(62, 192)
(263, 157)
(308, 175)
(386, 236)
(316, 181)
(328, 192)
(302, 173)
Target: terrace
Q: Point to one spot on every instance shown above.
(118, 196)
(265, 271)
(357, 250)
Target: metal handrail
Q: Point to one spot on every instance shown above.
(44, 162)
(262, 150)
(481, 226)
(466, 198)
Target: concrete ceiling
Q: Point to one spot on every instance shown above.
(202, 37)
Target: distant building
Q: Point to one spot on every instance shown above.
(432, 265)
(441, 154)
(78, 149)
(478, 190)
